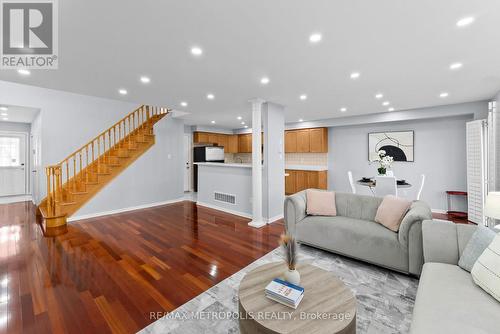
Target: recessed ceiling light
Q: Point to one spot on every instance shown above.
(239, 118)
(242, 123)
(213, 122)
(197, 51)
(391, 109)
(444, 94)
(315, 38)
(379, 96)
(301, 120)
(343, 109)
(145, 80)
(4, 114)
(465, 21)
(210, 96)
(386, 103)
(303, 97)
(123, 91)
(355, 75)
(184, 104)
(23, 72)
(264, 80)
(4, 108)
(5, 119)
(246, 126)
(456, 66)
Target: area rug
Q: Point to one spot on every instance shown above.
(384, 298)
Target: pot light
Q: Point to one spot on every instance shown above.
(456, 66)
(5, 119)
(145, 80)
(210, 96)
(246, 126)
(4, 108)
(242, 123)
(213, 122)
(4, 114)
(264, 80)
(379, 96)
(123, 91)
(239, 118)
(443, 94)
(315, 38)
(303, 97)
(184, 104)
(355, 75)
(386, 103)
(301, 120)
(390, 109)
(343, 109)
(197, 51)
(23, 72)
(463, 22)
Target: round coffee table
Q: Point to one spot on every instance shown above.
(328, 305)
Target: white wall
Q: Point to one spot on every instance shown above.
(71, 120)
(439, 154)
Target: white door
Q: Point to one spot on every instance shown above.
(187, 162)
(12, 164)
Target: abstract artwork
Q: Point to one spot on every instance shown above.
(397, 144)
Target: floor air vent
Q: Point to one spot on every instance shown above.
(226, 198)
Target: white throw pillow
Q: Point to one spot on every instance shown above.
(486, 270)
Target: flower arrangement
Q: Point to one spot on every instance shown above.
(289, 247)
(385, 161)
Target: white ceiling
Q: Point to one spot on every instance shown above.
(402, 48)
(17, 114)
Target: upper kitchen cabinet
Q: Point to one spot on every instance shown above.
(245, 143)
(306, 141)
(232, 144)
(200, 137)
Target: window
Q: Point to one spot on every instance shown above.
(9, 151)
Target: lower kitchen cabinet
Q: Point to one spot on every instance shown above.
(298, 180)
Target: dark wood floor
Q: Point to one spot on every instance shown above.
(457, 220)
(107, 274)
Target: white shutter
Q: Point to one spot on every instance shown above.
(476, 187)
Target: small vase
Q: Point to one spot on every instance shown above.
(381, 171)
(292, 276)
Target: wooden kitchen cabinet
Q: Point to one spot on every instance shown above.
(245, 143)
(232, 144)
(200, 137)
(303, 141)
(298, 180)
(222, 141)
(290, 182)
(318, 139)
(290, 141)
(212, 138)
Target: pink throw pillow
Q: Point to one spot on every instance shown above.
(391, 212)
(320, 203)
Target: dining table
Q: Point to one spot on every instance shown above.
(372, 184)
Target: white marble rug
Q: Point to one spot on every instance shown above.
(384, 298)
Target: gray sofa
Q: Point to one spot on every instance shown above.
(448, 301)
(354, 233)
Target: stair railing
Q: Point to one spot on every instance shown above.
(64, 177)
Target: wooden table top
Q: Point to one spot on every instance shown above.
(323, 293)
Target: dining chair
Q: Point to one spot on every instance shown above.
(351, 182)
(385, 185)
(422, 182)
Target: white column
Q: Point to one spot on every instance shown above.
(257, 220)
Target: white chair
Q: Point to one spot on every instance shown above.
(422, 182)
(385, 185)
(351, 182)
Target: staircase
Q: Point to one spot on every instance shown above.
(75, 180)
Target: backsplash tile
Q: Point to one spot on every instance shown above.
(315, 159)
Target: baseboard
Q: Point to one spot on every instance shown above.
(438, 211)
(233, 212)
(131, 208)
(15, 199)
(275, 218)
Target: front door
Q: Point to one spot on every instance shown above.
(12, 164)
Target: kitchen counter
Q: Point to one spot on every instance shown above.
(306, 167)
(219, 164)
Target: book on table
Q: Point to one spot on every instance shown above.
(284, 292)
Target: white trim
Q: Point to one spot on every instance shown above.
(15, 199)
(438, 211)
(131, 208)
(275, 218)
(233, 212)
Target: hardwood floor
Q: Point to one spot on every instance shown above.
(457, 220)
(107, 274)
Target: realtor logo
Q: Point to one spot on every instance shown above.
(29, 34)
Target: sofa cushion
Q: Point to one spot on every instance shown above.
(486, 270)
(357, 238)
(479, 241)
(320, 203)
(391, 211)
(448, 302)
(357, 206)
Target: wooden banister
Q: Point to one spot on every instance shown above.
(62, 177)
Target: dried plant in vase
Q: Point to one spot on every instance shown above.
(289, 246)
